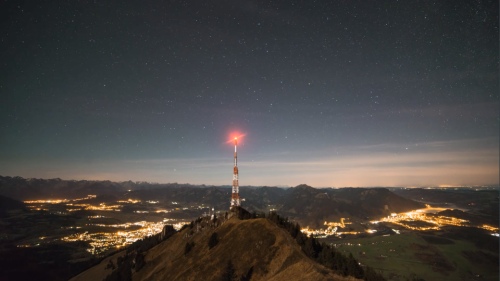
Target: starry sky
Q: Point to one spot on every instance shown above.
(327, 93)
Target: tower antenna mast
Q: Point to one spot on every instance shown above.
(235, 195)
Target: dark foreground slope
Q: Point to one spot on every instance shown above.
(9, 204)
(257, 248)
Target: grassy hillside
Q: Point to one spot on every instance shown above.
(408, 256)
(256, 247)
(100, 271)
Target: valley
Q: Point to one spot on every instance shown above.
(382, 229)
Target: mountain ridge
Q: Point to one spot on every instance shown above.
(257, 249)
(308, 205)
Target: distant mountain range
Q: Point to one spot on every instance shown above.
(451, 196)
(311, 206)
(32, 188)
(307, 205)
(480, 202)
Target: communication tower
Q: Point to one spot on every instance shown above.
(235, 195)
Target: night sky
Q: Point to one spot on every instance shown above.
(327, 93)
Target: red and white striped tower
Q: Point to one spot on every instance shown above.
(235, 196)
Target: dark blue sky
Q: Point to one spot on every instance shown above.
(350, 93)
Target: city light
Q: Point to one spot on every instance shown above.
(331, 230)
(403, 219)
(57, 201)
(490, 228)
(131, 201)
(103, 241)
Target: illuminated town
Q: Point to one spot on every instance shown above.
(103, 207)
(490, 228)
(103, 241)
(100, 242)
(331, 230)
(403, 219)
(57, 201)
(131, 201)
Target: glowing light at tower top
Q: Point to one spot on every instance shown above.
(235, 136)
